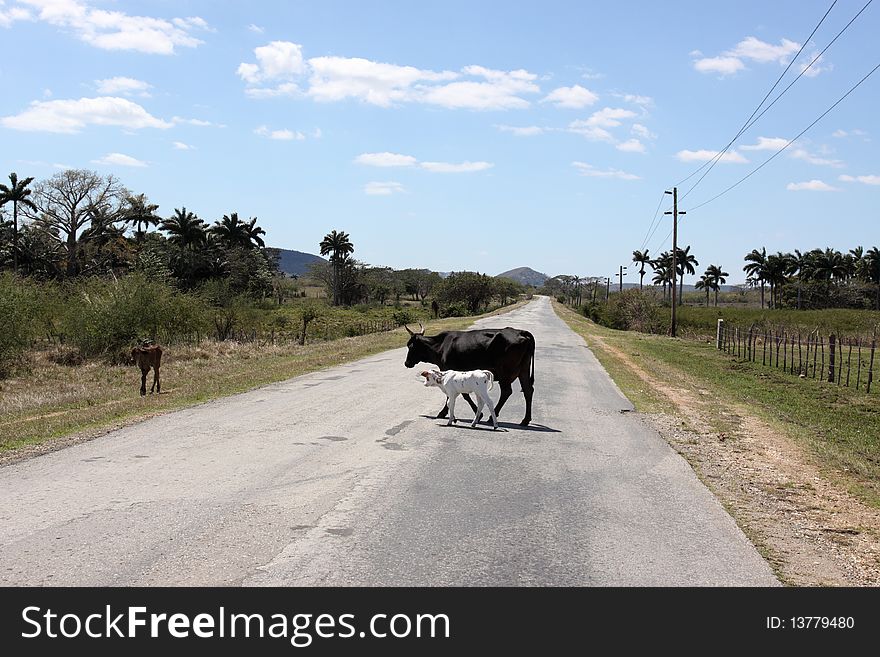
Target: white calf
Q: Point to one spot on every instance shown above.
(453, 383)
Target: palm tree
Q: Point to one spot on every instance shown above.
(185, 229)
(718, 276)
(705, 283)
(685, 263)
(339, 247)
(16, 193)
(778, 269)
(801, 266)
(231, 231)
(140, 213)
(872, 269)
(642, 258)
(757, 268)
(254, 232)
(662, 267)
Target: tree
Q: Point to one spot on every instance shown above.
(705, 283)
(17, 193)
(140, 214)
(662, 266)
(718, 277)
(872, 269)
(185, 230)
(339, 247)
(67, 201)
(777, 270)
(756, 268)
(254, 233)
(685, 262)
(641, 258)
(231, 231)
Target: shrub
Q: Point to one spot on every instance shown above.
(20, 319)
(457, 309)
(630, 310)
(401, 317)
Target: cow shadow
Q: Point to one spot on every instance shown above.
(487, 424)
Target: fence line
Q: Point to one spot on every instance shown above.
(791, 351)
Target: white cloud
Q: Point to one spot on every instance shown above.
(386, 160)
(811, 186)
(500, 90)
(707, 155)
(383, 188)
(805, 155)
(867, 180)
(115, 30)
(753, 49)
(124, 86)
(609, 117)
(590, 171)
(815, 68)
(70, 116)
(9, 16)
(196, 122)
(462, 167)
(631, 146)
(761, 51)
(283, 89)
(278, 60)
(643, 101)
(593, 133)
(521, 131)
(766, 144)
(852, 133)
(576, 97)
(180, 146)
(641, 131)
(720, 65)
(280, 135)
(255, 28)
(590, 74)
(120, 160)
(398, 160)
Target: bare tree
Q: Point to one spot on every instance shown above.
(69, 200)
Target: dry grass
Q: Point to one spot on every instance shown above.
(51, 400)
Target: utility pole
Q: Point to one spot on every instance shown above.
(621, 275)
(607, 288)
(674, 214)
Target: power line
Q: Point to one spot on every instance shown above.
(799, 135)
(754, 119)
(649, 233)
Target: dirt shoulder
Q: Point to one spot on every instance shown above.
(809, 528)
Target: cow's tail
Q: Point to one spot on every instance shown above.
(531, 339)
(491, 379)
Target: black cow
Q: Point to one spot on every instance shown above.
(508, 353)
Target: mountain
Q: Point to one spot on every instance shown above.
(525, 275)
(296, 262)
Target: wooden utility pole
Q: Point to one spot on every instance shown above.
(607, 288)
(674, 214)
(621, 275)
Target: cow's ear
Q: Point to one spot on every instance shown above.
(425, 374)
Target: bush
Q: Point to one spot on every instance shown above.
(401, 317)
(630, 310)
(106, 317)
(21, 311)
(458, 309)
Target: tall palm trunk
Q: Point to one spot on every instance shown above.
(716, 297)
(15, 237)
(762, 295)
(681, 290)
(707, 297)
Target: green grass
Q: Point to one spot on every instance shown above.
(701, 321)
(50, 401)
(839, 426)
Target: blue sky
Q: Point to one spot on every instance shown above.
(458, 135)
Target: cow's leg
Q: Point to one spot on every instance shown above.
(473, 406)
(451, 404)
(484, 396)
(155, 385)
(144, 382)
(525, 380)
(444, 410)
(479, 412)
(506, 392)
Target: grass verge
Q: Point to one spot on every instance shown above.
(53, 401)
(838, 428)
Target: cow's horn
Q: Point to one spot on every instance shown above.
(422, 332)
(408, 330)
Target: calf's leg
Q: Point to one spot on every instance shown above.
(506, 391)
(451, 403)
(155, 380)
(144, 381)
(445, 409)
(484, 397)
(479, 412)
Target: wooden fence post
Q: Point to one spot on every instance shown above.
(831, 349)
(871, 365)
(718, 329)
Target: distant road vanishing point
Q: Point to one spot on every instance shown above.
(344, 477)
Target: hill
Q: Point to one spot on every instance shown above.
(525, 275)
(296, 262)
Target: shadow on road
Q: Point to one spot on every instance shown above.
(501, 425)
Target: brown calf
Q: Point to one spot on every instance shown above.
(145, 357)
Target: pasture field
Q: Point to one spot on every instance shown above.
(695, 321)
(837, 427)
(48, 400)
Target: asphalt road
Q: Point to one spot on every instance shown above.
(344, 477)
